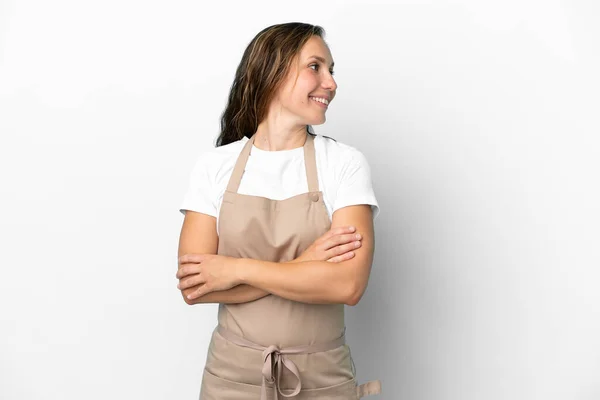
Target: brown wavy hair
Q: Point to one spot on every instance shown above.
(264, 66)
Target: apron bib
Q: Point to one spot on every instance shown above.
(274, 348)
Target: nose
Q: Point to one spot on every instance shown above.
(329, 83)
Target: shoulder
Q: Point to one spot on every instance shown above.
(226, 151)
(338, 153)
(346, 174)
(215, 158)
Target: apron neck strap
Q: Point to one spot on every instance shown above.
(309, 162)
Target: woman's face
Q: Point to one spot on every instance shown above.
(304, 99)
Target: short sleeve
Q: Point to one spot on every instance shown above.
(199, 195)
(355, 185)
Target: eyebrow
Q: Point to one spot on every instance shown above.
(322, 60)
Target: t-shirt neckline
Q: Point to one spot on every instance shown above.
(274, 153)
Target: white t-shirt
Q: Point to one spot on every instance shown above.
(343, 172)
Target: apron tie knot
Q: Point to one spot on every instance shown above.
(274, 360)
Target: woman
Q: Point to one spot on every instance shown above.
(281, 261)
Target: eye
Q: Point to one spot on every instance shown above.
(317, 65)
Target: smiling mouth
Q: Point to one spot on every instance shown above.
(320, 102)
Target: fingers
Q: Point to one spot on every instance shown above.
(201, 291)
(341, 239)
(191, 258)
(337, 231)
(344, 248)
(340, 250)
(190, 281)
(188, 269)
(343, 257)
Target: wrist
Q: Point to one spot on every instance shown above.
(239, 269)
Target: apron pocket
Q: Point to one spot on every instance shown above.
(215, 388)
(341, 391)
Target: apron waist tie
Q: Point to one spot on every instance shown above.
(274, 359)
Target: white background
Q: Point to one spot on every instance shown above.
(479, 120)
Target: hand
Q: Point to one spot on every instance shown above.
(335, 245)
(212, 272)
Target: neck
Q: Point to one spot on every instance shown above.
(275, 136)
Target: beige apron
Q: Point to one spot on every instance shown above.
(273, 347)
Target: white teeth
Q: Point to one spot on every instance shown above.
(320, 99)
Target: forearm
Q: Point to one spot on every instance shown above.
(237, 294)
(319, 282)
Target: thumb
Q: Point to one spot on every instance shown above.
(191, 258)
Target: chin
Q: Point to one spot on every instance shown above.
(317, 121)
